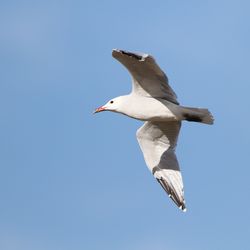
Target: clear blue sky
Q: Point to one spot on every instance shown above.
(71, 180)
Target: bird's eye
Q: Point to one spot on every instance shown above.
(111, 102)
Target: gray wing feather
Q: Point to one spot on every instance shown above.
(148, 78)
(158, 142)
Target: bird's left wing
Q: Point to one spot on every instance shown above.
(158, 141)
(148, 78)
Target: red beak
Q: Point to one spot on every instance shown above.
(100, 109)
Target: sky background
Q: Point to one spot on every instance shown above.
(71, 180)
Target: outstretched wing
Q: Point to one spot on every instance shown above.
(158, 141)
(148, 78)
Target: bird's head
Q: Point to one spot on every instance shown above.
(113, 105)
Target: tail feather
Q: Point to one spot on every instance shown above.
(198, 115)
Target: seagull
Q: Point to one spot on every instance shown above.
(153, 100)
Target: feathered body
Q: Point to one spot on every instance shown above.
(152, 100)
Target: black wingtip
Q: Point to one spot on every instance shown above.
(172, 195)
(127, 53)
(183, 208)
(137, 56)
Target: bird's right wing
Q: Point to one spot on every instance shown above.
(158, 141)
(148, 78)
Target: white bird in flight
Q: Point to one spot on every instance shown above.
(152, 100)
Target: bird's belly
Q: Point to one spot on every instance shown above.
(153, 110)
(167, 115)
